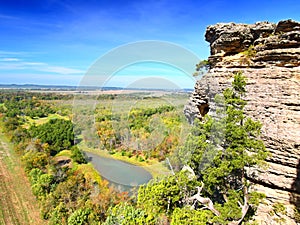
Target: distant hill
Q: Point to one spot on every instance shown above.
(73, 88)
(36, 87)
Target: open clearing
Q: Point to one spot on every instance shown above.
(17, 203)
(42, 120)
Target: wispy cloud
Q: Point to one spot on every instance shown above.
(10, 59)
(60, 70)
(10, 53)
(9, 17)
(18, 64)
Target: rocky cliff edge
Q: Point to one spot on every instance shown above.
(268, 54)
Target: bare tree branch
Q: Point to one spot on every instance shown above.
(192, 174)
(204, 201)
(244, 207)
(167, 159)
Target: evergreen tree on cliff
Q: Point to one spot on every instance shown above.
(222, 148)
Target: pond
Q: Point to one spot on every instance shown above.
(124, 176)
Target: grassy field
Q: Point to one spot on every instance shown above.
(17, 203)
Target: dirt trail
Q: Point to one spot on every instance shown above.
(17, 203)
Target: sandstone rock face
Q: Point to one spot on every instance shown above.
(269, 56)
(257, 45)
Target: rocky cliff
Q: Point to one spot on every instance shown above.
(268, 54)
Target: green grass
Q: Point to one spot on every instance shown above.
(9, 157)
(42, 120)
(89, 172)
(64, 153)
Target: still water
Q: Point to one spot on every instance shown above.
(123, 175)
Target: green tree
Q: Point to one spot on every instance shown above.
(162, 196)
(66, 197)
(10, 124)
(79, 217)
(33, 159)
(186, 216)
(19, 135)
(58, 133)
(221, 149)
(77, 155)
(125, 213)
(43, 185)
(34, 175)
(202, 67)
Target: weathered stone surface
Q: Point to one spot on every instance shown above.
(232, 38)
(257, 45)
(287, 25)
(229, 38)
(266, 210)
(262, 29)
(286, 40)
(273, 96)
(279, 57)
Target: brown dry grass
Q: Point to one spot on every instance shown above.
(17, 203)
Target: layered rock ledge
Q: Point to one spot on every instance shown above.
(262, 44)
(268, 54)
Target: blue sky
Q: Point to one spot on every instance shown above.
(56, 41)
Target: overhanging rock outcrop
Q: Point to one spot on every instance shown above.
(268, 54)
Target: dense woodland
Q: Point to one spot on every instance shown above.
(208, 182)
(67, 187)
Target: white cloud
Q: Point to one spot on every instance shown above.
(18, 61)
(10, 59)
(60, 70)
(34, 64)
(11, 53)
(17, 64)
